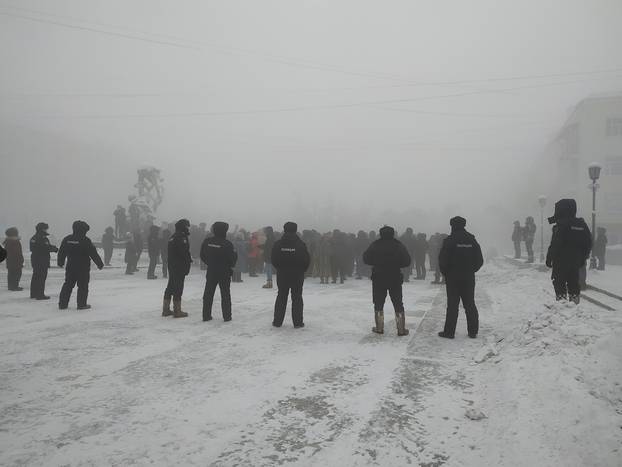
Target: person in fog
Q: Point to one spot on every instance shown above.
(241, 265)
(291, 260)
(323, 254)
(338, 256)
(14, 259)
(600, 247)
(166, 234)
(139, 245)
(153, 249)
(529, 235)
(459, 259)
(179, 262)
(120, 221)
(409, 240)
(571, 243)
(387, 256)
(517, 236)
(360, 245)
(267, 255)
(40, 249)
(421, 250)
(131, 257)
(434, 248)
(220, 257)
(78, 250)
(201, 236)
(108, 245)
(254, 255)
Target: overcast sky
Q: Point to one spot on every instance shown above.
(355, 113)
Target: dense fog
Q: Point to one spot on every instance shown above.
(348, 114)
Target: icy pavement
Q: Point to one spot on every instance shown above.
(119, 385)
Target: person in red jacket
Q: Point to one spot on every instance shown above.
(14, 259)
(254, 254)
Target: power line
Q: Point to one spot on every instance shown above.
(184, 43)
(372, 104)
(100, 31)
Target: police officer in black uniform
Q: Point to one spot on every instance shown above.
(179, 262)
(570, 248)
(460, 258)
(291, 260)
(40, 249)
(220, 257)
(387, 256)
(78, 250)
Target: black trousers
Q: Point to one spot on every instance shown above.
(37, 282)
(222, 281)
(601, 262)
(73, 278)
(380, 287)
(461, 289)
(165, 267)
(286, 283)
(13, 277)
(153, 261)
(529, 248)
(175, 286)
(107, 256)
(420, 267)
(565, 282)
(337, 270)
(131, 266)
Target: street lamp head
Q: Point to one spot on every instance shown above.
(542, 200)
(594, 171)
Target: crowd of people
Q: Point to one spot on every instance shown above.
(332, 257)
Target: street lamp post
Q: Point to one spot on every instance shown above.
(542, 201)
(594, 173)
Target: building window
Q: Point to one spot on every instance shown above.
(614, 127)
(613, 165)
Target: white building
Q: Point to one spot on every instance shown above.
(592, 133)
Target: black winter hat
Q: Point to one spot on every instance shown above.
(457, 222)
(182, 225)
(564, 209)
(11, 232)
(109, 230)
(80, 227)
(387, 232)
(290, 227)
(220, 229)
(41, 227)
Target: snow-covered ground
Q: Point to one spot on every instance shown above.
(120, 385)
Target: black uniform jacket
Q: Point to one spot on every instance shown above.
(78, 250)
(460, 256)
(290, 254)
(179, 259)
(219, 255)
(387, 256)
